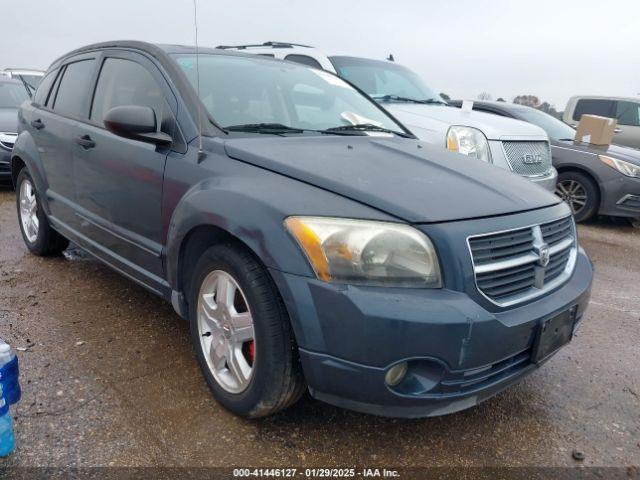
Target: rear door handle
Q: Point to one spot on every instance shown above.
(37, 124)
(85, 142)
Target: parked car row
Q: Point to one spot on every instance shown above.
(512, 145)
(592, 179)
(12, 94)
(309, 238)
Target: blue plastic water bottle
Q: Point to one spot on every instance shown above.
(9, 374)
(7, 441)
(9, 393)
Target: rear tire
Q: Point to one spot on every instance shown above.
(579, 192)
(252, 373)
(36, 231)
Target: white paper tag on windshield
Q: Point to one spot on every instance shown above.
(467, 105)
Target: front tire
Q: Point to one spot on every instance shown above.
(242, 335)
(36, 231)
(580, 193)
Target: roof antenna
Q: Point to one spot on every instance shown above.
(201, 153)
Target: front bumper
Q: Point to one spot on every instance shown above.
(621, 197)
(547, 182)
(460, 353)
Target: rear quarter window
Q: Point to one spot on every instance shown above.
(304, 60)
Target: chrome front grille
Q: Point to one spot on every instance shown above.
(518, 265)
(529, 159)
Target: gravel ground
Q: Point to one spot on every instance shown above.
(109, 378)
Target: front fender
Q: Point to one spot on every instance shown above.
(251, 204)
(26, 150)
(256, 223)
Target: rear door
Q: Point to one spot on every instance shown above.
(53, 125)
(119, 180)
(628, 115)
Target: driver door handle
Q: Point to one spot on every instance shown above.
(37, 124)
(85, 142)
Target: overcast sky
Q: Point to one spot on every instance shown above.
(552, 49)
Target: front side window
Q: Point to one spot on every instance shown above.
(125, 82)
(627, 113)
(12, 94)
(250, 90)
(384, 79)
(594, 106)
(69, 97)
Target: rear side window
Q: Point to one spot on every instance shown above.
(604, 108)
(304, 60)
(40, 98)
(627, 113)
(69, 98)
(125, 82)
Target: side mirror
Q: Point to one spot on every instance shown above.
(137, 123)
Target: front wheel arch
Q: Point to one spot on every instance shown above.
(592, 183)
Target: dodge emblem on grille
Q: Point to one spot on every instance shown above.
(532, 158)
(544, 254)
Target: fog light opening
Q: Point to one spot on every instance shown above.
(396, 374)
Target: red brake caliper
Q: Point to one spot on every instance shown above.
(251, 351)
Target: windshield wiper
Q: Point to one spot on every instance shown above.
(272, 128)
(364, 127)
(398, 98)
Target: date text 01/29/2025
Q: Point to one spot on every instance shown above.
(315, 472)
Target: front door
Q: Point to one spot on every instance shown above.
(118, 180)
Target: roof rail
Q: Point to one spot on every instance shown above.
(266, 44)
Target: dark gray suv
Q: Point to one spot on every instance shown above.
(310, 241)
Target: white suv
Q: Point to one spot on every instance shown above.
(504, 142)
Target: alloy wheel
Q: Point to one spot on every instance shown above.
(225, 327)
(29, 211)
(573, 193)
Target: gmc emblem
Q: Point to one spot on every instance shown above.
(532, 159)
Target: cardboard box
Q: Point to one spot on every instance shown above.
(596, 130)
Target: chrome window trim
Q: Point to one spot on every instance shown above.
(533, 292)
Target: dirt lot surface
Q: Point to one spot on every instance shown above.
(109, 378)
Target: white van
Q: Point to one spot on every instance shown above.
(626, 110)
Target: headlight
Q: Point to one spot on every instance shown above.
(468, 141)
(625, 168)
(8, 139)
(367, 252)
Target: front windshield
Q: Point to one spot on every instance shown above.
(556, 129)
(12, 94)
(382, 80)
(248, 91)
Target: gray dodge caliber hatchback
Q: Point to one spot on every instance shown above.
(310, 241)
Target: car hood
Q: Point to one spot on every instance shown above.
(405, 178)
(441, 117)
(631, 155)
(9, 120)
